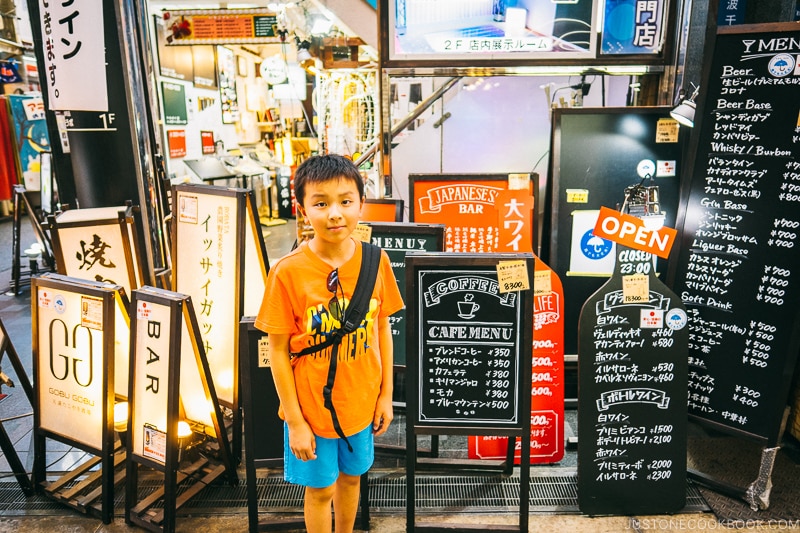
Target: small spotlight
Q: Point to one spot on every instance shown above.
(684, 112)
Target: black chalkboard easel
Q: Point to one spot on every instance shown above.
(632, 365)
(586, 175)
(397, 239)
(472, 371)
(737, 269)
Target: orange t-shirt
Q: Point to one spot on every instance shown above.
(296, 303)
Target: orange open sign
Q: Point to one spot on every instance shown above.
(632, 232)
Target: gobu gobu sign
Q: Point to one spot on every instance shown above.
(73, 356)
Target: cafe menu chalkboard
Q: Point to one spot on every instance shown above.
(737, 269)
(472, 342)
(397, 239)
(632, 364)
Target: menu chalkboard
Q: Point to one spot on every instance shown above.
(472, 341)
(397, 239)
(632, 365)
(586, 175)
(471, 373)
(737, 270)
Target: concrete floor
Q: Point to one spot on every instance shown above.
(15, 314)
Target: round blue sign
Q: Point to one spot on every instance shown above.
(594, 247)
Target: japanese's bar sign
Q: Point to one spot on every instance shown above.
(74, 52)
(632, 232)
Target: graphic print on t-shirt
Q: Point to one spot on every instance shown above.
(320, 323)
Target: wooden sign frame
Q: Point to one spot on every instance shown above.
(7, 447)
(22, 205)
(479, 272)
(60, 299)
(239, 261)
(161, 439)
(120, 227)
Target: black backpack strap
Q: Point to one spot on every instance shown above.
(354, 314)
(362, 294)
(357, 309)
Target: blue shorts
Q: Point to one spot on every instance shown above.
(332, 457)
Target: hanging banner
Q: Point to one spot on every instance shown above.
(74, 52)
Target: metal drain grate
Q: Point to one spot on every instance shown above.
(555, 494)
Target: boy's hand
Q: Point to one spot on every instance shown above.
(302, 442)
(383, 415)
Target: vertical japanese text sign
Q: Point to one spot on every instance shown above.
(163, 354)
(74, 51)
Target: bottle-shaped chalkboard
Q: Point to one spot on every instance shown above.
(632, 393)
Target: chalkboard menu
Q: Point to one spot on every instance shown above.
(398, 239)
(737, 269)
(632, 363)
(586, 173)
(472, 317)
(472, 341)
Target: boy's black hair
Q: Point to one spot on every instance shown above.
(322, 168)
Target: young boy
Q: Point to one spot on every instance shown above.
(306, 293)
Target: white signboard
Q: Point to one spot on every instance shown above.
(70, 380)
(589, 255)
(255, 272)
(74, 55)
(92, 245)
(206, 270)
(150, 381)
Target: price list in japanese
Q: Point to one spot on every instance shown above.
(738, 267)
(469, 342)
(632, 365)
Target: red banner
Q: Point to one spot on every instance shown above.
(547, 378)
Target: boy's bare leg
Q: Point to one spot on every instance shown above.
(317, 509)
(345, 502)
